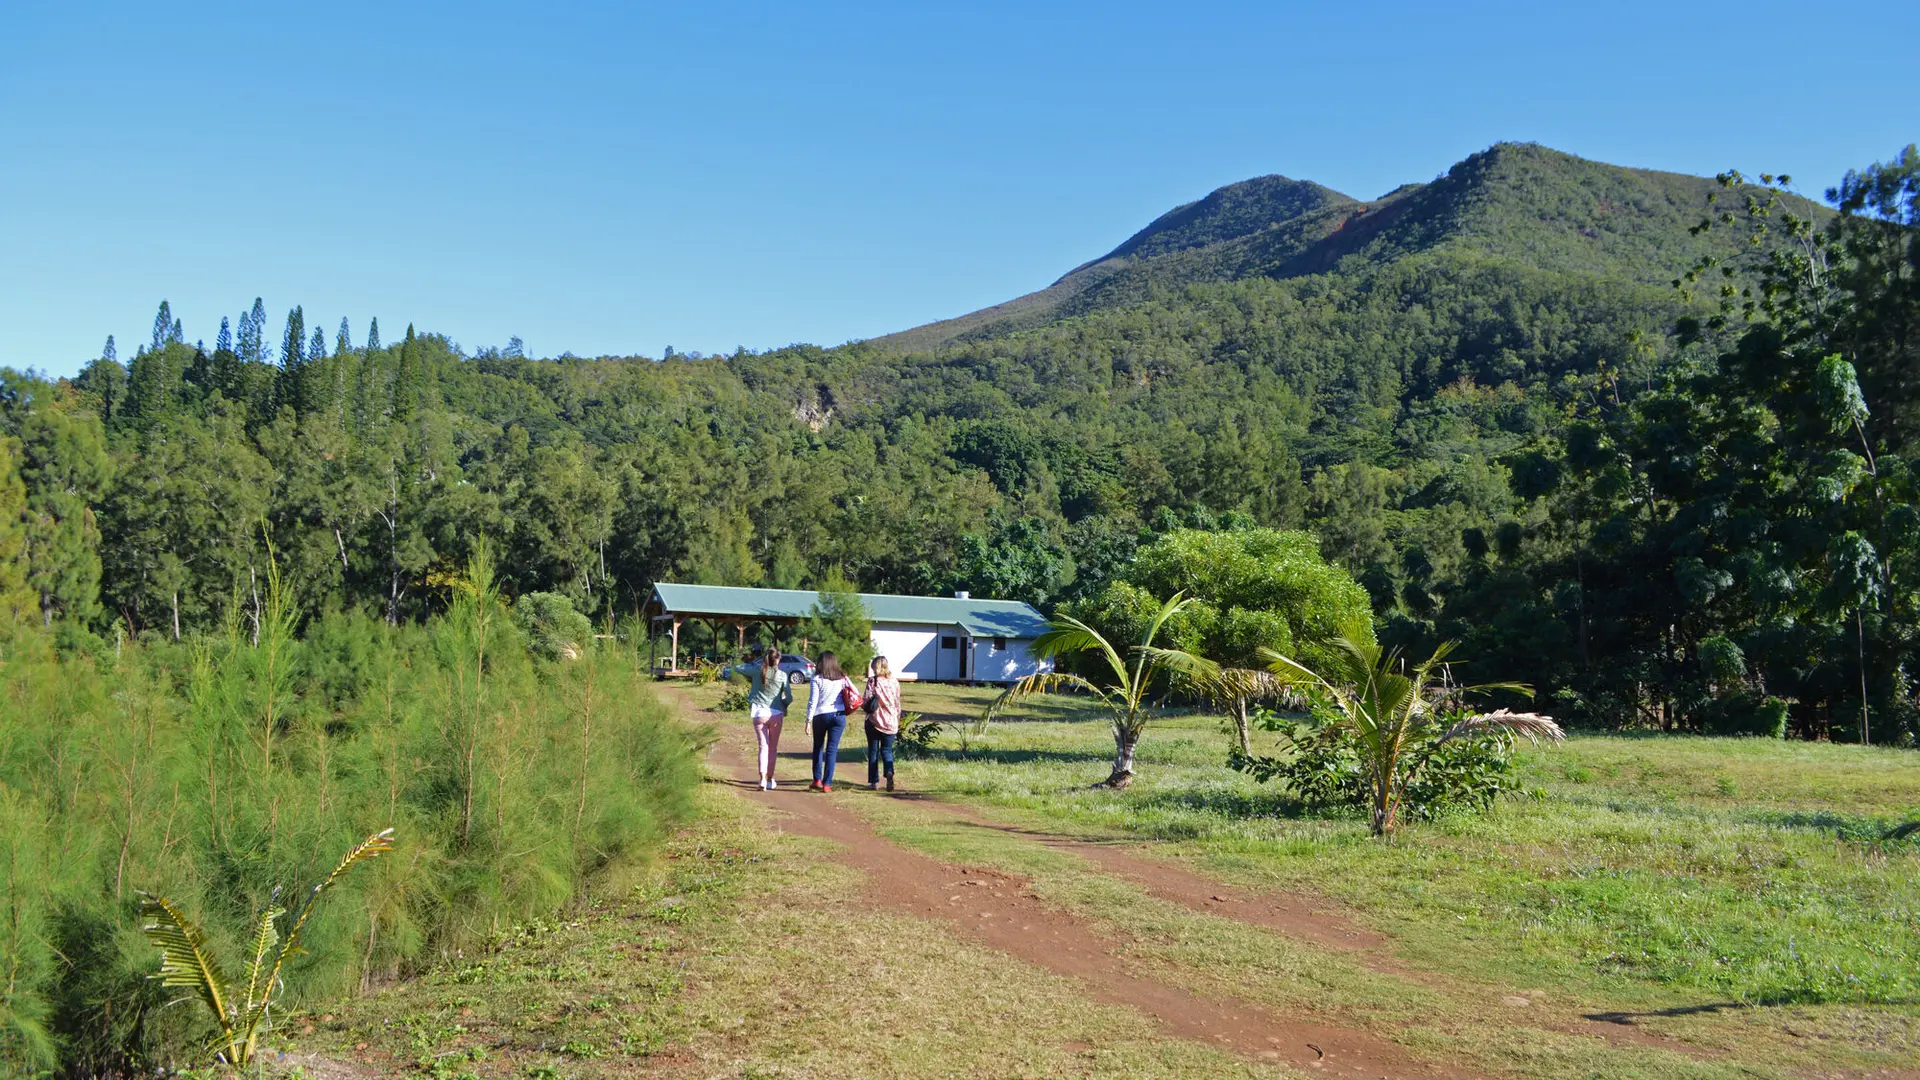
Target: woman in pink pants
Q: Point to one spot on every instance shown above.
(769, 692)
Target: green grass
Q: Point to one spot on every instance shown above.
(1652, 873)
(746, 953)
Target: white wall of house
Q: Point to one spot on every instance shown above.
(912, 651)
(1005, 660)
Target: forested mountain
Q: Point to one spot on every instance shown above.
(1485, 393)
(1516, 203)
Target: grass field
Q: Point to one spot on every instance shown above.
(1653, 874)
(1730, 898)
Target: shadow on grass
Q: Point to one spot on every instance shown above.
(1627, 1019)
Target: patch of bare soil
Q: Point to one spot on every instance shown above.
(997, 910)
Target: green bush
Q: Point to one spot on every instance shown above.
(217, 770)
(552, 627)
(1324, 770)
(917, 734)
(1746, 713)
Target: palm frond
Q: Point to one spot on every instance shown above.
(1067, 635)
(265, 937)
(1045, 682)
(1535, 726)
(185, 960)
(1185, 665)
(1254, 684)
(373, 846)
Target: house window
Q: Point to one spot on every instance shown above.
(949, 642)
(999, 644)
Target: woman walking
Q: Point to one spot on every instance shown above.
(883, 720)
(827, 713)
(769, 692)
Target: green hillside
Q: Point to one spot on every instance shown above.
(1475, 391)
(1537, 208)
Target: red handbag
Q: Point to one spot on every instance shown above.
(850, 698)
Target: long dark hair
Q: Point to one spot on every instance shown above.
(830, 667)
(769, 660)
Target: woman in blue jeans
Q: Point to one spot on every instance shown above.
(827, 713)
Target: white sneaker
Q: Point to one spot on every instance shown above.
(771, 784)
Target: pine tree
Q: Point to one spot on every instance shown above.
(288, 387)
(110, 354)
(176, 335)
(839, 623)
(293, 344)
(373, 335)
(16, 599)
(223, 342)
(162, 327)
(344, 343)
(317, 348)
(253, 328)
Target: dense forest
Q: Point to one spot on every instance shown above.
(1637, 438)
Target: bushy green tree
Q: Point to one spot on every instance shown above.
(840, 623)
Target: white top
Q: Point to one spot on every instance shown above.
(825, 697)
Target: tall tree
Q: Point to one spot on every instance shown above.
(162, 328)
(373, 334)
(344, 342)
(223, 341)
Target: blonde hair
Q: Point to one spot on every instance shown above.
(880, 668)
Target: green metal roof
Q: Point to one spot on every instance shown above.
(981, 618)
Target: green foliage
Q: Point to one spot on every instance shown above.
(1120, 684)
(187, 962)
(918, 734)
(211, 771)
(733, 699)
(551, 627)
(840, 623)
(1389, 714)
(1324, 764)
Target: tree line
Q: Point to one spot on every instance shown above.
(1666, 506)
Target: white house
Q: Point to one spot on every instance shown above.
(934, 638)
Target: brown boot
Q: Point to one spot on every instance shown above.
(889, 783)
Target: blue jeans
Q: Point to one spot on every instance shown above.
(879, 749)
(827, 729)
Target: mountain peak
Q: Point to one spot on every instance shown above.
(1228, 213)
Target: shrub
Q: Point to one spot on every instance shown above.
(1746, 713)
(552, 627)
(511, 787)
(1325, 768)
(917, 734)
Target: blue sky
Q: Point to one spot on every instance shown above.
(614, 178)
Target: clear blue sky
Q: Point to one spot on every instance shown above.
(614, 178)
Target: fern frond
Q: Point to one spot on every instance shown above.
(185, 961)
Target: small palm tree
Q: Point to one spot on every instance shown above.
(1134, 676)
(242, 1013)
(1390, 708)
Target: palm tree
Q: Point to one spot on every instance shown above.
(1390, 707)
(1133, 676)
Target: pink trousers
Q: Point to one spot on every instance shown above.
(766, 729)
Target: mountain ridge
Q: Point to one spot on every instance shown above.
(1524, 202)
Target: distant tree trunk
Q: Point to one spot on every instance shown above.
(1240, 726)
(176, 614)
(1860, 629)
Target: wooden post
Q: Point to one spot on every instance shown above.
(740, 642)
(673, 663)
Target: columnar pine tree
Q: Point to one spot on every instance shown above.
(317, 347)
(110, 354)
(343, 343)
(223, 341)
(373, 335)
(293, 361)
(162, 327)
